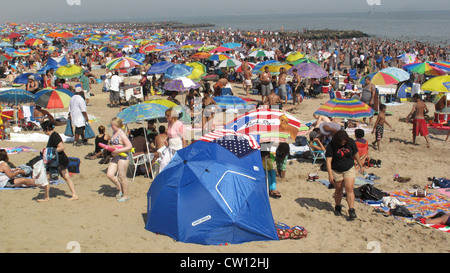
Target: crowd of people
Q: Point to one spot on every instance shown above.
(336, 56)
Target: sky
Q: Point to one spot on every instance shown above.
(28, 11)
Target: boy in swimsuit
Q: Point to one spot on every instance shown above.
(378, 127)
(419, 124)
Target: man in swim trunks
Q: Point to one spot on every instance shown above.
(419, 124)
(266, 80)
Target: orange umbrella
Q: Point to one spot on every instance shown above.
(201, 55)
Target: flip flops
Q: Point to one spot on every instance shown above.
(274, 194)
(123, 199)
(402, 179)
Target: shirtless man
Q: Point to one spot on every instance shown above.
(266, 79)
(160, 142)
(247, 80)
(282, 84)
(273, 99)
(419, 124)
(208, 106)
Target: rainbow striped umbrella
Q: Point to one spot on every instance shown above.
(345, 108)
(442, 65)
(53, 98)
(218, 57)
(69, 71)
(380, 78)
(23, 51)
(426, 69)
(122, 62)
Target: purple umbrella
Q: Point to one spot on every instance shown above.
(181, 84)
(309, 70)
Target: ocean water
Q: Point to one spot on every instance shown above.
(424, 26)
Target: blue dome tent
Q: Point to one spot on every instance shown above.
(212, 192)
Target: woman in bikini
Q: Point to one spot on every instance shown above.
(119, 163)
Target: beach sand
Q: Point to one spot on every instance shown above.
(100, 224)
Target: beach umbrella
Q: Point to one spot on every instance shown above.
(230, 102)
(424, 68)
(122, 62)
(261, 53)
(230, 63)
(170, 43)
(212, 193)
(200, 55)
(250, 64)
(14, 35)
(76, 46)
(23, 78)
(231, 45)
(163, 102)
(408, 58)
(397, 73)
(147, 49)
(218, 57)
(187, 47)
(206, 48)
(16, 96)
(199, 70)
(159, 67)
(181, 84)
(303, 60)
(258, 66)
(34, 42)
(437, 84)
(380, 78)
(294, 56)
(138, 56)
(69, 71)
(5, 44)
(220, 49)
(442, 65)
(274, 68)
(178, 70)
(266, 125)
(53, 98)
(309, 70)
(345, 108)
(141, 112)
(21, 52)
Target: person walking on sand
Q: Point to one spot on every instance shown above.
(55, 141)
(119, 163)
(282, 84)
(419, 124)
(266, 80)
(340, 155)
(378, 127)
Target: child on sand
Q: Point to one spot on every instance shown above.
(378, 127)
(271, 174)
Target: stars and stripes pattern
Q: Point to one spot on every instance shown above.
(239, 144)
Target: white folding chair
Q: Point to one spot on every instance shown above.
(138, 160)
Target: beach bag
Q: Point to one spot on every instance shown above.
(88, 132)
(69, 130)
(74, 165)
(369, 192)
(400, 211)
(286, 232)
(50, 158)
(301, 141)
(443, 182)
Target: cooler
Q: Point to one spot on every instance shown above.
(440, 117)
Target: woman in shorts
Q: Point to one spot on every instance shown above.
(341, 154)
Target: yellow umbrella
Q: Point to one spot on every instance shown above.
(163, 102)
(437, 84)
(69, 71)
(274, 68)
(294, 56)
(198, 72)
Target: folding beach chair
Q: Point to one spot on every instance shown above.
(363, 150)
(27, 121)
(316, 154)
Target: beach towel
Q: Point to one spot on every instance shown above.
(359, 181)
(420, 207)
(438, 227)
(19, 149)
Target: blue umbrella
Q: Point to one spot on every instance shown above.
(178, 70)
(23, 79)
(142, 112)
(231, 102)
(159, 67)
(260, 65)
(170, 43)
(138, 56)
(231, 45)
(16, 96)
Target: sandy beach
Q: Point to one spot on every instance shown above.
(97, 223)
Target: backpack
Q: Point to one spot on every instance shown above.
(301, 141)
(369, 192)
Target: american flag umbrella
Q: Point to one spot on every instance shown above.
(237, 143)
(345, 108)
(267, 125)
